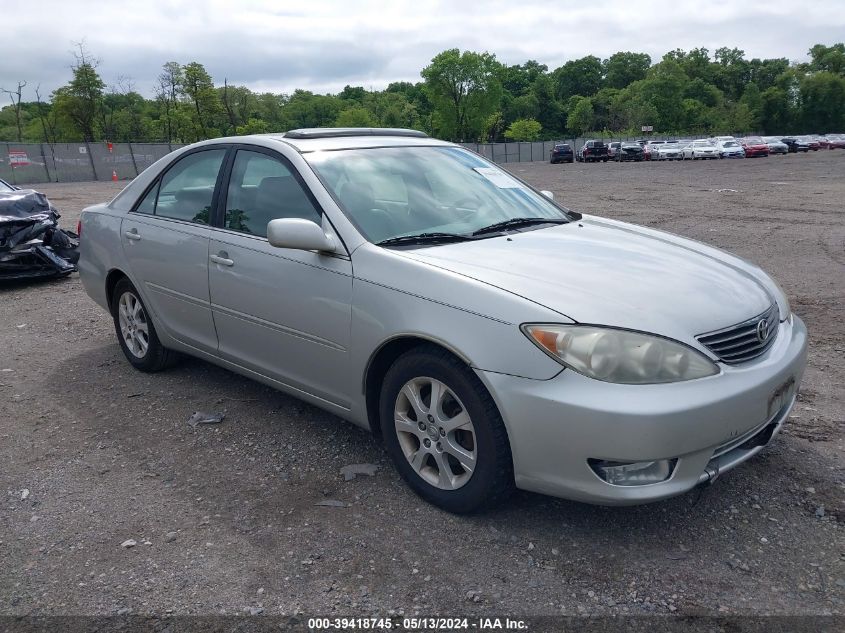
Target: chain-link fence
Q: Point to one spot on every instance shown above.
(27, 163)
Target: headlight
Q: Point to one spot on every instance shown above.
(620, 356)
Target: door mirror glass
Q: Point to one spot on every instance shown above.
(300, 234)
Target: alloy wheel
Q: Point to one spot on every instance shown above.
(134, 326)
(435, 433)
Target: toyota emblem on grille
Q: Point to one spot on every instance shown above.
(762, 330)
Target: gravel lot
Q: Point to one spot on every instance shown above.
(225, 518)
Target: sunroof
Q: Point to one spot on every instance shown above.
(329, 132)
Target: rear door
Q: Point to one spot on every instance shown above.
(165, 238)
(283, 313)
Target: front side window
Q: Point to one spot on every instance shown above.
(186, 190)
(394, 191)
(262, 188)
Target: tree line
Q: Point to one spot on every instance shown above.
(462, 96)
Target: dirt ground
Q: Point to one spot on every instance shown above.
(225, 518)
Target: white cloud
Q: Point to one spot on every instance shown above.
(323, 45)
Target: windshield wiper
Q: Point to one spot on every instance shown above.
(423, 238)
(516, 223)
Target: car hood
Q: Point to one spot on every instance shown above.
(610, 273)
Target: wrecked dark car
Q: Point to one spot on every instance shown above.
(32, 245)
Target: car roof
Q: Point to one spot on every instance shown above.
(324, 139)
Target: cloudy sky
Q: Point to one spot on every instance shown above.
(323, 45)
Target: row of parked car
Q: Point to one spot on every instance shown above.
(710, 148)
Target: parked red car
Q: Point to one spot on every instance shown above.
(754, 146)
(836, 141)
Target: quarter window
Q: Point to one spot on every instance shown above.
(186, 191)
(262, 188)
(148, 204)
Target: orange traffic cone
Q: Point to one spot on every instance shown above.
(114, 175)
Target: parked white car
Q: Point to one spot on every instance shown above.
(701, 148)
(730, 149)
(668, 151)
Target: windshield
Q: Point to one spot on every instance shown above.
(4, 186)
(395, 191)
(730, 144)
(670, 146)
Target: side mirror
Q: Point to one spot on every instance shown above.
(548, 194)
(300, 234)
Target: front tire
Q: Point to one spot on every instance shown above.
(444, 433)
(136, 332)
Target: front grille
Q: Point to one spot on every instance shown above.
(742, 342)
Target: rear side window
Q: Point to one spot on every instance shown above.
(186, 190)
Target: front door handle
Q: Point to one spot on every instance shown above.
(222, 259)
(132, 234)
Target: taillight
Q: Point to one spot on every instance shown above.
(79, 227)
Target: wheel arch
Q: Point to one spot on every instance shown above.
(381, 360)
(112, 278)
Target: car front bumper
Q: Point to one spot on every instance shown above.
(555, 426)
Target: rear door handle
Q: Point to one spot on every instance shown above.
(222, 260)
(132, 234)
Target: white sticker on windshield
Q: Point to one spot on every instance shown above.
(499, 178)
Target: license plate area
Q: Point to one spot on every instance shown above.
(780, 398)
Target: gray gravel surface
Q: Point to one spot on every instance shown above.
(254, 515)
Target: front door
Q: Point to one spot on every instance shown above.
(281, 312)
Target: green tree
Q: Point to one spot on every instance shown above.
(493, 126)
(199, 89)
(523, 130)
(753, 100)
(81, 101)
(523, 107)
(356, 116)
(465, 89)
(823, 102)
(518, 79)
(621, 69)
(305, 109)
(253, 126)
(581, 116)
(579, 77)
(602, 102)
(776, 115)
(732, 72)
(167, 91)
(631, 109)
(828, 58)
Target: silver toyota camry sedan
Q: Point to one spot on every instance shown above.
(490, 337)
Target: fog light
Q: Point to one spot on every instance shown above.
(633, 473)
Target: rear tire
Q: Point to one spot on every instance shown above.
(463, 468)
(136, 332)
